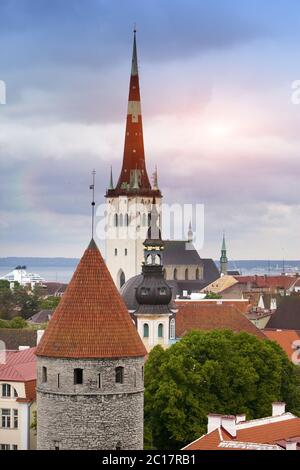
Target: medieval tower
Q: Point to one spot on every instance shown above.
(90, 367)
(129, 202)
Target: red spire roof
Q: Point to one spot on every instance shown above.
(91, 320)
(134, 177)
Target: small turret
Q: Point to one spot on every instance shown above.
(223, 258)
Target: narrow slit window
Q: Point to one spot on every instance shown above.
(78, 376)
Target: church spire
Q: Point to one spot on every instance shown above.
(111, 180)
(223, 258)
(134, 166)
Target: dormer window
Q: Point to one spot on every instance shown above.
(145, 290)
(162, 290)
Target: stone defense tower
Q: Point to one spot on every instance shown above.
(154, 316)
(223, 258)
(129, 202)
(90, 384)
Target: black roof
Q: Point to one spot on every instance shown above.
(180, 252)
(287, 315)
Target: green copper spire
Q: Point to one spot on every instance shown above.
(111, 181)
(223, 259)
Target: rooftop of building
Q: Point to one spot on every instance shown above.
(91, 320)
(270, 433)
(18, 366)
(14, 338)
(207, 316)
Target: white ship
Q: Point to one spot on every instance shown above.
(20, 275)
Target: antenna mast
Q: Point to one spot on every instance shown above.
(92, 187)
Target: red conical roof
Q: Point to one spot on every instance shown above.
(91, 320)
(133, 179)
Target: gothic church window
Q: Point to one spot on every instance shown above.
(175, 274)
(197, 274)
(186, 274)
(116, 220)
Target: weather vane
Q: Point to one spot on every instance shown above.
(92, 187)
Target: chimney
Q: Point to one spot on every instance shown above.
(23, 348)
(229, 424)
(278, 408)
(240, 418)
(291, 444)
(39, 335)
(214, 422)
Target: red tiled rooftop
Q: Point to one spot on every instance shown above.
(280, 282)
(285, 339)
(91, 320)
(268, 433)
(198, 316)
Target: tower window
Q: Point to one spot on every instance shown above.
(197, 274)
(116, 251)
(175, 274)
(126, 220)
(143, 372)
(99, 381)
(116, 220)
(119, 375)
(145, 290)
(146, 330)
(78, 376)
(186, 275)
(134, 379)
(162, 290)
(172, 329)
(58, 383)
(44, 374)
(122, 279)
(126, 251)
(160, 330)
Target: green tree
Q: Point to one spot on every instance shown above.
(27, 302)
(6, 300)
(50, 303)
(213, 295)
(213, 372)
(17, 322)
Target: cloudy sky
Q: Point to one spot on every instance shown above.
(216, 81)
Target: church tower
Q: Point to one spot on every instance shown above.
(129, 202)
(223, 258)
(90, 367)
(154, 317)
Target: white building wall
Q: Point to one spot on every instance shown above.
(126, 239)
(153, 321)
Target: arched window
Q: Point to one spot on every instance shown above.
(160, 330)
(175, 274)
(119, 375)
(157, 259)
(146, 330)
(44, 374)
(116, 251)
(197, 274)
(8, 391)
(78, 376)
(126, 220)
(116, 220)
(186, 274)
(144, 220)
(126, 252)
(122, 279)
(172, 328)
(121, 220)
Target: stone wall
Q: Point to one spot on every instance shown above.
(85, 416)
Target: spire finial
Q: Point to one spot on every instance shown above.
(111, 180)
(92, 187)
(134, 28)
(190, 232)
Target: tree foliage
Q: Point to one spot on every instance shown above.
(213, 372)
